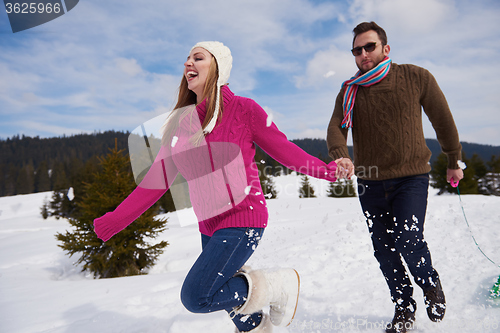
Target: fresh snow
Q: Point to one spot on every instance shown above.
(325, 239)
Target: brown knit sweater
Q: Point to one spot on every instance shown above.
(387, 129)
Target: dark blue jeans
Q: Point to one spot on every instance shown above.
(395, 213)
(211, 285)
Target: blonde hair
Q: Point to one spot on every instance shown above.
(187, 97)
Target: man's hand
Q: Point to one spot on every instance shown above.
(455, 174)
(345, 168)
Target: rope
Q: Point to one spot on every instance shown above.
(470, 230)
(495, 290)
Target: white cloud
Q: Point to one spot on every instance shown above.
(33, 127)
(329, 74)
(323, 64)
(129, 66)
(97, 62)
(312, 133)
(108, 65)
(406, 16)
(273, 115)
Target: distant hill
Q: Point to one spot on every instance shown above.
(30, 165)
(21, 150)
(24, 160)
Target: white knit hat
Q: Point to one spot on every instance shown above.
(224, 60)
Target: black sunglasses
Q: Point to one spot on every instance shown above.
(370, 47)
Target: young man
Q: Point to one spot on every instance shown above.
(382, 104)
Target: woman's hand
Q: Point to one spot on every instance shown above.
(345, 168)
(331, 173)
(105, 227)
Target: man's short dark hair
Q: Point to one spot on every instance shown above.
(367, 26)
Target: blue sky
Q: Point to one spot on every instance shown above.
(115, 64)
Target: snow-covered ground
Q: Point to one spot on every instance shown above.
(325, 239)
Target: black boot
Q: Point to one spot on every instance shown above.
(404, 318)
(435, 302)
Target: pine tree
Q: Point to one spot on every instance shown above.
(438, 174)
(3, 176)
(468, 185)
(11, 175)
(60, 205)
(45, 210)
(266, 180)
(42, 179)
(494, 164)
(473, 172)
(268, 187)
(58, 177)
(128, 252)
(25, 182)
(490, 183)
(177, 196)
(342, 188)
(306, 190)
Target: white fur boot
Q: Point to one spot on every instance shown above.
(277, 288)
(265, 326)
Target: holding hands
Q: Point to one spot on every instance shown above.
(331, 172)
(345, 168)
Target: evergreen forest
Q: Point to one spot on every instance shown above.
(33, 164)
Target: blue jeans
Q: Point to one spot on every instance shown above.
(395, 213)
(211, 285)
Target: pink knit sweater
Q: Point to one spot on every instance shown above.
(223, 178)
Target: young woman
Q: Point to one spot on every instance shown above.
(210, 139)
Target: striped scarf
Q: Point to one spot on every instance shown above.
(371, 77)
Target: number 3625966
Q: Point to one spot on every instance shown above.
(32, 8)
